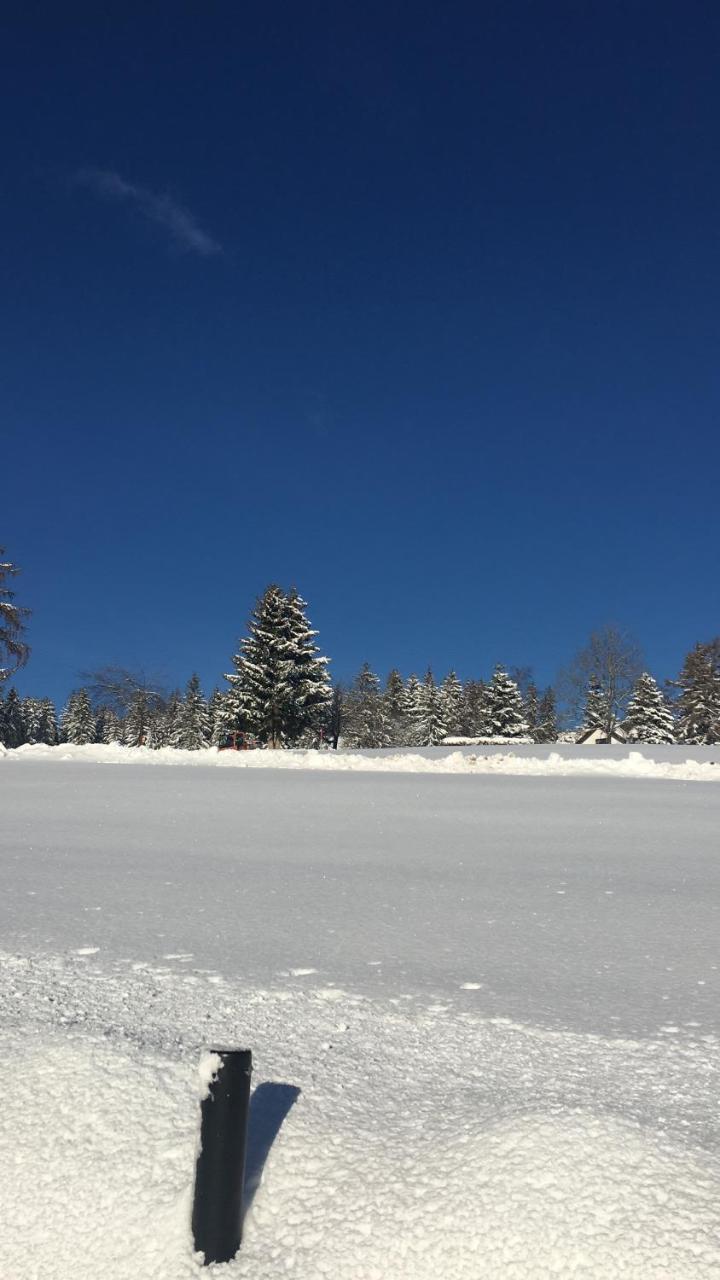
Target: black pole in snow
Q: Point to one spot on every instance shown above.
(220, 1171)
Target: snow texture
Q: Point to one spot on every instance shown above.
(483, 1010)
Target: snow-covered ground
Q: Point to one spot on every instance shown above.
(484, 1012)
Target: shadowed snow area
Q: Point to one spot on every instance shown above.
(491, 1002)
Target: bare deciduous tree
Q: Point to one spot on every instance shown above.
(14, 651)
(117, 688)
(614, 660)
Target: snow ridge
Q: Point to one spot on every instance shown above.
(632, 765)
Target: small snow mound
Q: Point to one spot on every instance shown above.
(209, 1069)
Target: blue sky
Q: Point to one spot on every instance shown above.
(414, 306)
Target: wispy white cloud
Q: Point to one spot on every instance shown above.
(163, 210)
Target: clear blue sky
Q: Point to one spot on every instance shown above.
(413, 305)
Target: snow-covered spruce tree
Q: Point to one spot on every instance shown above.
(336, 716)
(532, 710)
(224, 717)
(475, 710)
(215, 702)
(13, 649)
(137, 720)
(505, 710)
(77, 722)
(108, 726)
(45, 723)
(395, 707)
(453, 701)
(430, 725)
(40, 721)
(412, 711)
(280, 688)
(649, 718)
(596, 709)
(547, 725)
(367, 724)
(192, 724)
(698, 706)
(12, 724)
(32, 713)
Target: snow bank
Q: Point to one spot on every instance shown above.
(632, 765)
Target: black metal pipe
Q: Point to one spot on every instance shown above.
(220, 1171)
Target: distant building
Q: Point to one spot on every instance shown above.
(599, 738)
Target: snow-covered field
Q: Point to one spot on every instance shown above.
(483, 1006)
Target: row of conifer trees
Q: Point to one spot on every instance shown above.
(280, 694)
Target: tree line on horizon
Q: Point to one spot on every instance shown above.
(280, 695)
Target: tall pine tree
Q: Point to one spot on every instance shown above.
(192, 723)
(596, 710)
(547, 725)
(648, 719)
(453, 702)
(137, 723)
(77, 723)
(280, 687)
(12, 723)
(395, 707)
(429, 725)
(368, 724)
(698, 705)
(506, 713)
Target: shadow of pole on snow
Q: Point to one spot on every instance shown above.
(269, 1105)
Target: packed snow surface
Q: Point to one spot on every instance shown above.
(483, 1010)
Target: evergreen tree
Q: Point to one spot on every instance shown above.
(108, 727)
(596, 709)
(13, 649)
(309, 678)
(77, 722)
(281, 687)
(223, 712)
(32, 717)
(532, 710)
(430, 725)
(412, 710)
(48, 726)
(475, 710)
(214, 705)
(698, 705)
(368, 724)
(395, 707)
(648, 719)
(336, 716)
(192, 725)
(12, 724)
(453, 702)
(137, 720)
(547, 725)
(506, 713)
